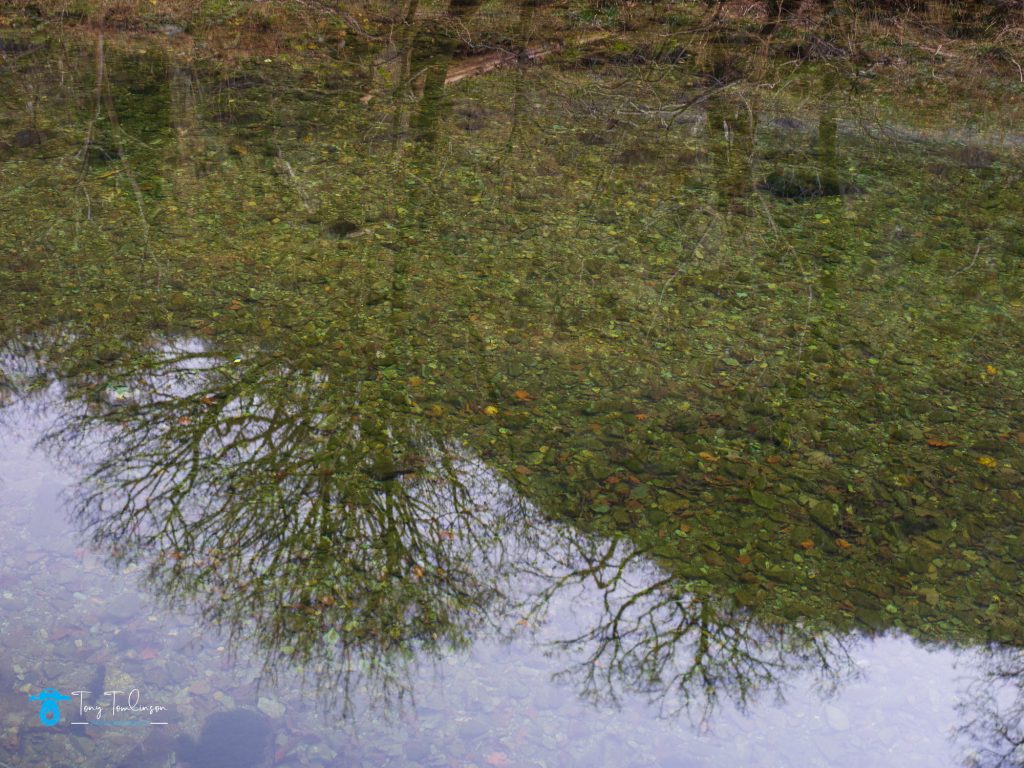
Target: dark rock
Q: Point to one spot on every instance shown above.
(341, 228)
(800, 184)
(238, 738)
(29, 137)
(639, 155)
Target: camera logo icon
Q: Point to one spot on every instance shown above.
(49, 710)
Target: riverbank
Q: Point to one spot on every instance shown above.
(937, 35)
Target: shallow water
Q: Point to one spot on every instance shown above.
(588, 413)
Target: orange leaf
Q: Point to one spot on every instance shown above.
(642, 417)
(807, 544)
(773, 459)
(522, 394)
(707, 456)
(184, 420)
(843, 544)
(936, 443)
(743, 559)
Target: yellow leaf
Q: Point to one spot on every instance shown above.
(991, 370)
(988, 461)
(490, 410)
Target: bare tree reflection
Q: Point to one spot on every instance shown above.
(286, 508)
(682, 648)
(992, 710)
(310, 516)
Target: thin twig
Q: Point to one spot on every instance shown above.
(964, 269)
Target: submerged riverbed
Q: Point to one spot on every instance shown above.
(627, 407)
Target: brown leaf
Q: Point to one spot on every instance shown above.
(807, 544)
(843, 544)
(934, 442)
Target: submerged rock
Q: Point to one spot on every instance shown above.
(29, 137)
(798, 184)
(238, 738)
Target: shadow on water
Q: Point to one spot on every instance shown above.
(512, 413)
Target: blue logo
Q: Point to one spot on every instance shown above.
(49, 711)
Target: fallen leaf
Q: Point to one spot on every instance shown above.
(991, 370)
(936, 443)
(807, 544)
(843, 544)
(521, 470)
(707, 456)
(235, 305)
(417, 571)
(988, 461)
(490, 410)
(743, 559)
(522, 394)
(641, 417)
(497, 758)
(184, 420)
